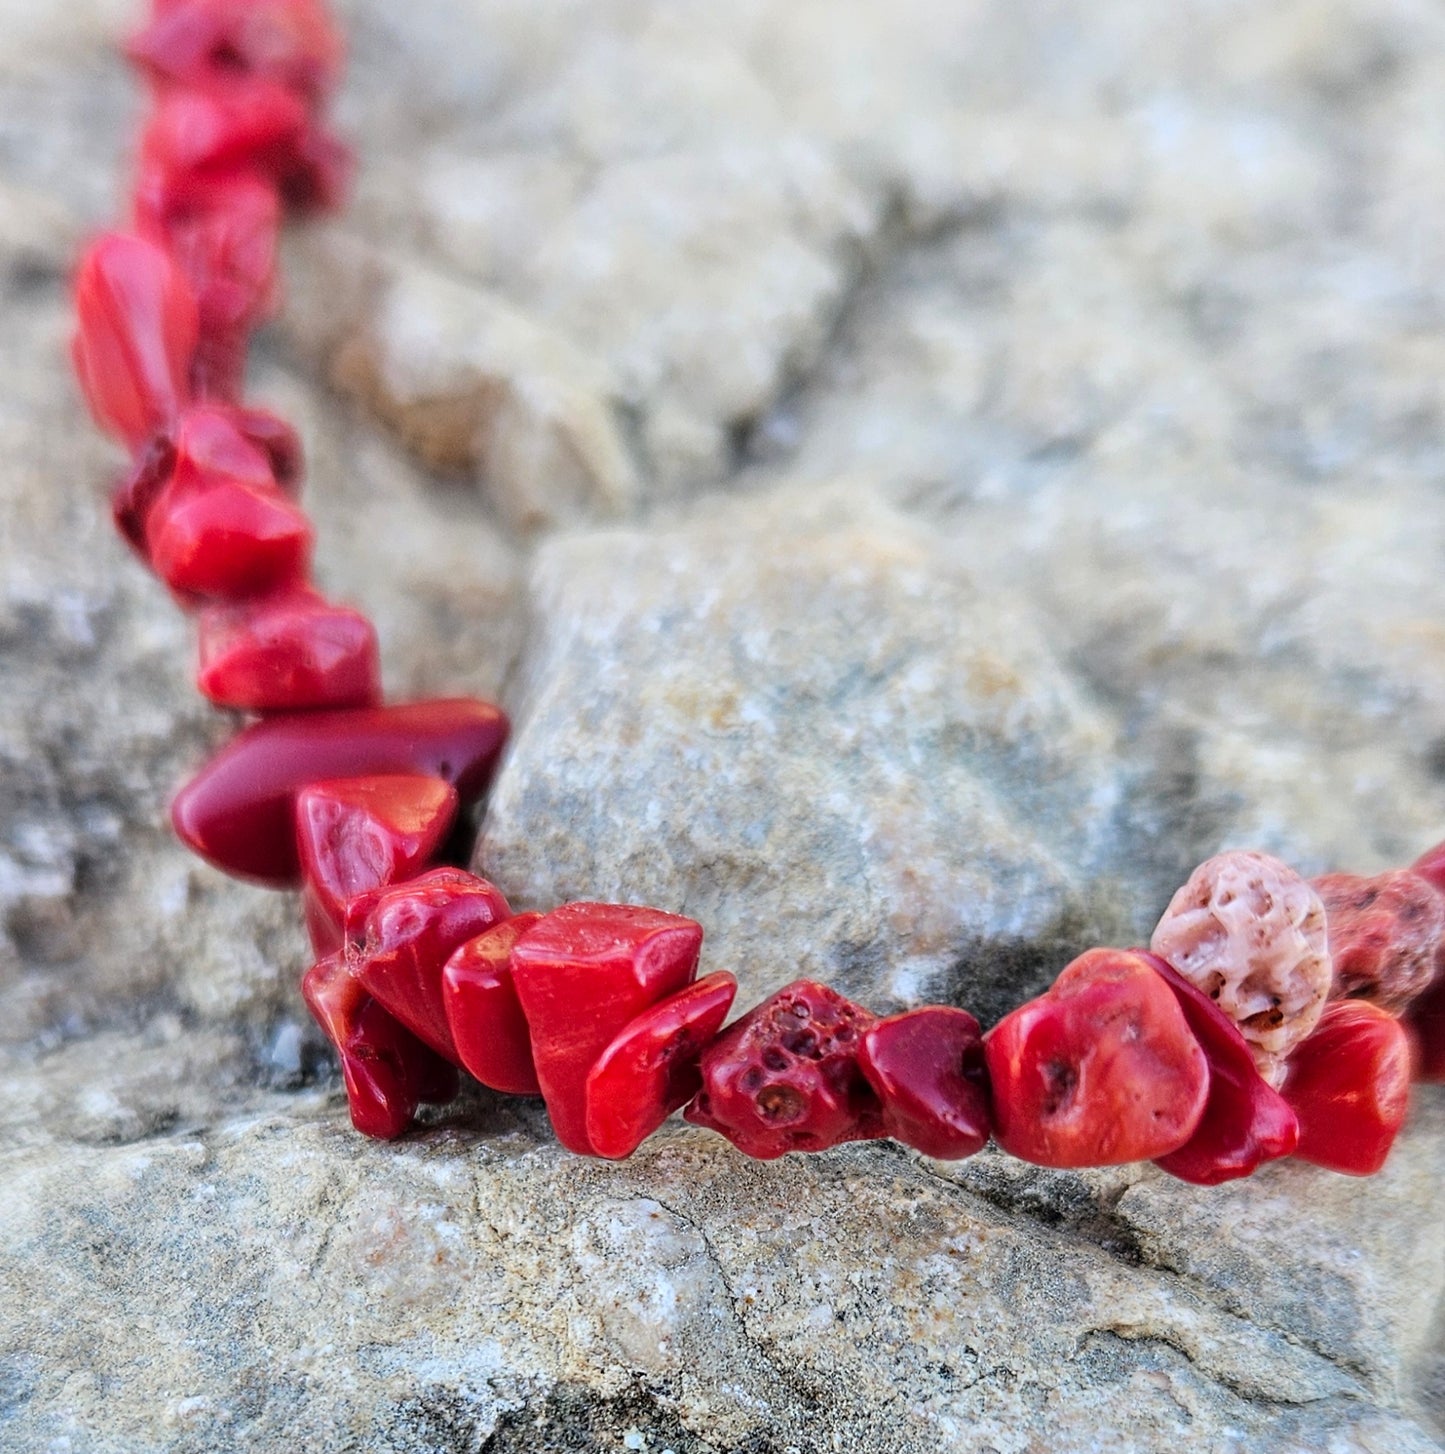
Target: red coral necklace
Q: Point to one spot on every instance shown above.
(1270, 1017)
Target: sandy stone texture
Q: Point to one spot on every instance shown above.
(922, 476)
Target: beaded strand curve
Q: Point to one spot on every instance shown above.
(1270, 1016)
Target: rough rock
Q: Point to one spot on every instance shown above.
(1021, 432)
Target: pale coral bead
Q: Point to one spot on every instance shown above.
(1250, 932)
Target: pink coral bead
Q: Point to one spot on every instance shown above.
(1250, 933)
(1385, 935)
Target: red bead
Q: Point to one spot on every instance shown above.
(137, 490)
(387, 1070)
(136, 335)
(223, 539)
(319, 173)
(242, 122)
(1431, 866)
(1246, 1121)
(399, 937)
(222, 231)
(1349, 1084)
(278, 441)
(583, 974)
(199, 41)
(237, 811)
(1102, 1069)
(926, 1068)
(785, 1077)
(288, 652)
(358, 834)
(484, 1013)
(651, 1068)
(1426, 1021)
(1386, 935)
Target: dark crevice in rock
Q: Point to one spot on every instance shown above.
(569, 1419)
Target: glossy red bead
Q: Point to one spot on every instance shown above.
(785, 1077)
(1349, 1084)
(358, 834)
(651, 1068)
(582, 975)
(222, 232)
(241, 122)
(399, 938)
(237, 812)
(278, 441)
(1426, 1021)
(1246, 1122)
(136, 335)
(318, 174)
(1386, 935)
(220, 539)
(926, 1068)
(197, 42)
(1100, 1070)
(484, 1013)
(288, 652)
(388, 1072)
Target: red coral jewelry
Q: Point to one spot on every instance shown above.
(1270, 1017)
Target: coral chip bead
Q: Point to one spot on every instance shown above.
(248, 121)
(1102, 1069)
(1426, 1021)
(237, 812)
(223, 539)
(400, 936)
(388, 1072)
(926, 1066)
(287, 652)
(485, 1015)
(358, 834)
(196, 41)
(1246, 1122)
(582, 974)
(1349, 1084)
(1385, 935)
(785, 1077)
(651, 1068)
(136, 335)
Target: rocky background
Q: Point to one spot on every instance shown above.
(922, 475)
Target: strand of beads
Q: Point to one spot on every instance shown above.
(1269, 1017)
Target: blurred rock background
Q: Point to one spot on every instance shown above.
(921, 476)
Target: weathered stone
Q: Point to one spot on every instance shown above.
(1088, 363)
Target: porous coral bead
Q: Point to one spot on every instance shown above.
(484, 1013)
(786, 1077)
(400, 936)
(388, 1072)
(237, 812)
(582, 975)
(1386, 934)
(1101, 1069)
(1250, 933)
(651, 1068)
(927, 1068)
(195, 42)
(358, 834)
(1246, 1122)
(136, 335)
(1349, 1084)
(287, 652)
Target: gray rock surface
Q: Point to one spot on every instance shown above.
(922, 476)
